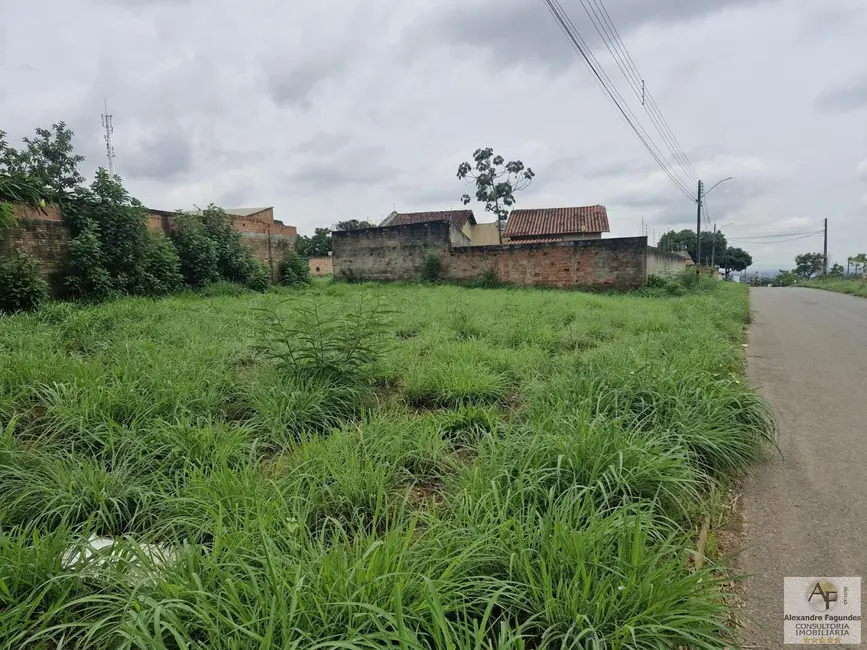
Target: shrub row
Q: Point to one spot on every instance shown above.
(113, 252)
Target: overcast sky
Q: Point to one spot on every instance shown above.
(343, 109)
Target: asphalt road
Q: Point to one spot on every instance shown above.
(805, 512)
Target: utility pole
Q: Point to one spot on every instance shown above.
(712, 248)
(698, 232)
(825, 255)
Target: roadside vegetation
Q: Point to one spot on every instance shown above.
(370, 466)
(852, 286)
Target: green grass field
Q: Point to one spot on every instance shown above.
(852, 286)
(370, 466)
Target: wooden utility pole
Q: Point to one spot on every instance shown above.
(825, 254)
(698, 232)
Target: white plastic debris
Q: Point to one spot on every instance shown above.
(102, 551)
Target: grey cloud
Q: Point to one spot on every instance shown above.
(294, 84)
(323, 143)
(322, 176)
(135, 4)
(522, 31)
(161, 155)
(850, 97)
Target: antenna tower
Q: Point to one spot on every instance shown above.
(108, 127)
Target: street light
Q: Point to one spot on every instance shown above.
(713, 241)
(698, 199)
(717, 183)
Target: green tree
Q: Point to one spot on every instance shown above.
(674, 241)
(496, 181)
(319, 245)
(859, 262)
(836, 270)
(112, 249)
(48, 158)
(808, 264)
(211, 250)
(736, 259)
(354, 224)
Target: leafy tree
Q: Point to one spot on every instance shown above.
(294, 270)
(198, 251)
(858, 262)
(48, 158)
(16, 186)
(836, 270)
(785, 278)
(319, 245)
(211, 250)
(112, 249)
(354, 224)
(674, 241)
(496, 181)
(736, 259)
(807, 264)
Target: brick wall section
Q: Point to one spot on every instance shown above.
(662, 263)
(617, 263)
(391, 253)
(321, 266)
(397, 253)
(44, 236)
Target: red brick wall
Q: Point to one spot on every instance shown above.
(397, 253)
(43, 235)
(617, 263)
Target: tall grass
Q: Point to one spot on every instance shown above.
(852, 286)
(489, 468)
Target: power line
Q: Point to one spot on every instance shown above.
(779, 241)
(607, 31)
(786, 234)
(611, 91)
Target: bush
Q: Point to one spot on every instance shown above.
(197, 251)
(294, 269)
(338, 347)
(258, 275)
(210, 250)
(22, 286)
(112, 250)
(86, 275)
(431, 267)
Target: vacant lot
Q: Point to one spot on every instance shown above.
(365, 466)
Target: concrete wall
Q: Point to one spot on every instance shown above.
(45, 237)
(484, 234)
(320, 266)
(390, 253)
(664, 264)
(398, 252)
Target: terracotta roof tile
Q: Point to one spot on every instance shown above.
(557, 221)
(458, 218)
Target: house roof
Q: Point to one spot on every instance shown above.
(459, 218)
(545, 222)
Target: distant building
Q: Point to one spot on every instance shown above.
(465, 230)
(549, 225)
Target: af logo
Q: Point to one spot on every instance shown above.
(822, 595)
